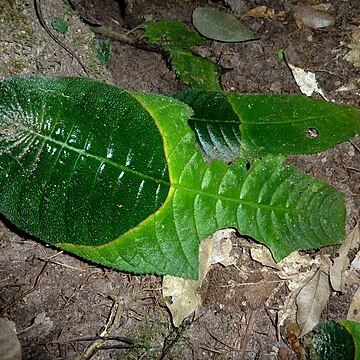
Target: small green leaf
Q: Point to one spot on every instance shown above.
(60, 25)
(221, 26)
(175, 38)
(193, 70)
(102, 49)
(281, 54)
(171, 32)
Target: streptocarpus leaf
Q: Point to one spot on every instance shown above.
(115, 177)
(229, 124)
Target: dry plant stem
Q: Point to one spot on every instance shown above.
(112, 324)
(39, 14)
(27, 292)
(248, 332)
(169, 345)
(112, 34)
(354, 145)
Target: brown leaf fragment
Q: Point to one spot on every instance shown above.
(354, 309)
(265, 13)
(311, 301)
(356, 20)
(181, 295)
(353, 55)
(342, 262)
(293, 332)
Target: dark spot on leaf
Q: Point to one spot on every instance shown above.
(169, 300)
(312, 133)
(248, 165)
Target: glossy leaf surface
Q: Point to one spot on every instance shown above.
(335, 340)
(227, 124)
(116, 177)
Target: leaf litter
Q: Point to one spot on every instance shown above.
(181, 295)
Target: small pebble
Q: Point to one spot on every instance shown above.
(312, 18)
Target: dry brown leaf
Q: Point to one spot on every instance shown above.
(264, 12)
(262, 255)
(311, 301)
(356, 20)
(299, 280)
(306, 81)
(342, 262)
(181, 295)
(353, 55)
(354, 309)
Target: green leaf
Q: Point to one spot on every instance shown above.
(334, 340)
(227, 124)
(102, 49)
(193, 70)
(60, 25)
(115, 177)
(171, 32)
(175, 38)
(221, 26)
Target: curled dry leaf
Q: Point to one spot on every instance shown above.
(306, 80)
(181, 295)
(262, 255)
(311, 301)
(265, 12)
(312, 17)
(342, 262)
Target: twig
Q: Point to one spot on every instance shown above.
(354, 145)
(39, 14)
(169, 344)
(112, 324)
(245, 338)
(27, 292)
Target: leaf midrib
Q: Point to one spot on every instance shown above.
(100, 159)
(218, 121)
(176, 186)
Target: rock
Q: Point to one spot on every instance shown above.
(311, 17)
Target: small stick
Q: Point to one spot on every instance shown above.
(39, 14)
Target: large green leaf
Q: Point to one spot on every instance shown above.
(227, 124)
(115, 177)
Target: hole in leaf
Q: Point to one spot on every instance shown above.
(169, 300)
(248, 165)
(312, 133)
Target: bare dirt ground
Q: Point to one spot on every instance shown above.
(238, 319)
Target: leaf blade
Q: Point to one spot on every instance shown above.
(221, 26)
(279, 206)
(260, 124)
